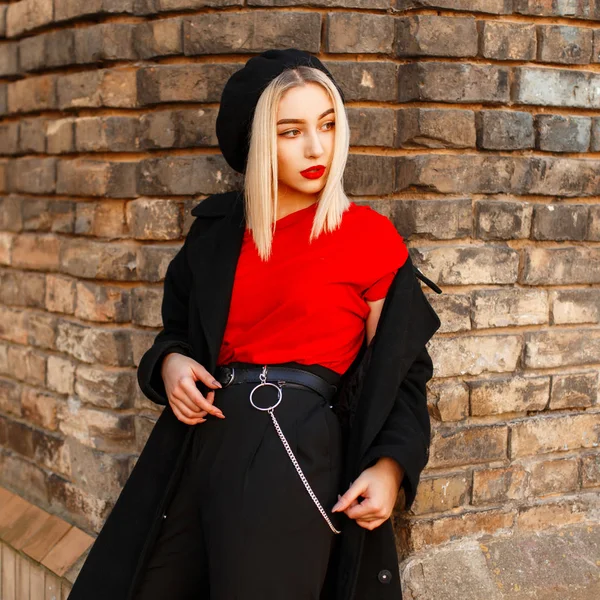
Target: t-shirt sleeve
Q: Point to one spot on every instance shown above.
(387, 254)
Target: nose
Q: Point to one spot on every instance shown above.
(314, 146)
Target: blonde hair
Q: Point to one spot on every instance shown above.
(261, 176)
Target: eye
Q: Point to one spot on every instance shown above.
(332, 123)
(285, 133)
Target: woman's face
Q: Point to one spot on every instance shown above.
(305, 138)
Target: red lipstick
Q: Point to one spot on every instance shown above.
(313, 172)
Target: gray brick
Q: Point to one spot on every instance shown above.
(9, 137)
(115, 134)
(561, 347)
(27, 15)
(83, 177)
(580, 9)
(114, 88)
(427, 35)
(154, 219)
(100, 474)
(575, 306)
(32, 135)
(594, 225)
(3, 20)
(152, 261)
(505, 130)
(183, 83)
(8, 59)
(565, 44)
(104, 304)
(165, 5)
(252, 31)
(107, 41)
(560, 266)
(364, 81)
(433, 219)
(146, 303)
(32, 52)
(500, 220)
(80, 8)
(468, 265)
(559, 222)
(509, 308)
(560, 133)
(488, 174)
(48, 214)
(11, 217)
(33, 175)
(454, 311)
(435, 128)
(60, 48)
(508, 41)
(61, 136)
(353, 32)
(369, 175)
(369, 4)
(3, 98)
(574, 390)
(371, 126)
(82, 257)
(186, 128)
(32, 94)
(495, 7)
(158, 38)
(556, 87)
(181, 175)
(595, 135)
(452, 82)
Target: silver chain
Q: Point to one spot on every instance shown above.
(270, 409)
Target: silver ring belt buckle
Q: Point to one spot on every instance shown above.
(263, 382)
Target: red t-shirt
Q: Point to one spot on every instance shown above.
(308, 302)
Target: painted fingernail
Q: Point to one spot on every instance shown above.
(215, 382)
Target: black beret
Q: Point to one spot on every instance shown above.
(240, 97)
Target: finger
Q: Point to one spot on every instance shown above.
(176, 396)
(364, 510)
(204, 376)
(182, 418)
(189, 386)
(191, 408)
(371, 513)
(354, 491)
(370, 525)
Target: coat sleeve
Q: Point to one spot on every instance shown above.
(406, 433)
(174, 336)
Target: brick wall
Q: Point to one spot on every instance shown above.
(475, 128)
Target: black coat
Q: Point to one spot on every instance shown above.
(381, 403)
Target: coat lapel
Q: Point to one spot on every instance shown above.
(213, 257)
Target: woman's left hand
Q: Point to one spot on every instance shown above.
(379, 486)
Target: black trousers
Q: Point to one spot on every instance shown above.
(241, 525)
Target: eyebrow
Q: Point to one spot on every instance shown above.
(282, 121)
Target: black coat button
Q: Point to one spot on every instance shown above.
(384, 576)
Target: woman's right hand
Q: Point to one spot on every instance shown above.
(180, 373)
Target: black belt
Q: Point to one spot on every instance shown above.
(283, 376)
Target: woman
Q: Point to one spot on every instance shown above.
(254, 513)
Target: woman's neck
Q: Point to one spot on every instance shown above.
(289, 203)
